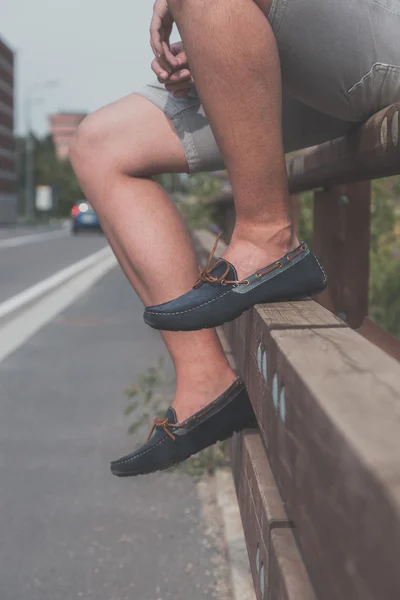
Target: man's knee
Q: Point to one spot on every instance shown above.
(87, 139)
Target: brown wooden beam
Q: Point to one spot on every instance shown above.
(341, 239)
(288, 579)
(369, 151)
(327, 405)
(275, 561)
(381, 338)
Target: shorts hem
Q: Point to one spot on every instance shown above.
(185, 136)
(187, 140)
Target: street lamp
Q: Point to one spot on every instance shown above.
(29, 99)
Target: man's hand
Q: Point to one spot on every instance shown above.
(160, 32)
(180, 81)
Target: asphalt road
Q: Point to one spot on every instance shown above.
(22, 266)
(68, 528)
(22, 230)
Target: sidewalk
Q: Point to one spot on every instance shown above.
(69, 528)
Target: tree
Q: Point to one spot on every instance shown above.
(49, 170)
(385, 255)
(385, 250)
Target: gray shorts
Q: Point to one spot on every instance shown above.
(340, 62)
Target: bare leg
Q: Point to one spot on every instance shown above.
(113, 153)
(231, 42)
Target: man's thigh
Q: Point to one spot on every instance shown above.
(130, 135)
(340, 57)
(302, 126)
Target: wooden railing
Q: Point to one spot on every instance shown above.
(318, 484)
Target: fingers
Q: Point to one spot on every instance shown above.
(155, 35)
(180, 89)
(163, 76)
(163, 62)
(179, 72)
(165, 57)
(168, 55)
(179, 76)
(181, 94)
(182, 60)
(170, 65)
(180, 54)
(160, 31)
(186, 80)
(161, 73)
(178, 83)
(176, 48)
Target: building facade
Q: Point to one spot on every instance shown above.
(62, 128)
(8, 175)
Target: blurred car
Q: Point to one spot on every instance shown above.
(84, 218)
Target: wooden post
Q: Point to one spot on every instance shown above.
(342, 241)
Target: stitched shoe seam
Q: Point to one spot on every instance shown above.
(127, 460)
(223, 399)
(321, 267)
(257, 284)
(267, 278)
(149, 312)
(133, 458)
(213, 413)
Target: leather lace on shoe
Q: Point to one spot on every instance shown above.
(219, 296)
(205, 273)
(162, 424)
(231, 411)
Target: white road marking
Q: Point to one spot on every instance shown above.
(22, 240)
(43, 287)
(22, 327)
(242, 581)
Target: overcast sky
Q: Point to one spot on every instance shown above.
(97, 50)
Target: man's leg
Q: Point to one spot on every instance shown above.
(113, 154)
(233, 55)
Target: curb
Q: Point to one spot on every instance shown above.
(242, 581)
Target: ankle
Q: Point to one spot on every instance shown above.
(255, 247)
(195, 392)
(208, 377)
(279, 236)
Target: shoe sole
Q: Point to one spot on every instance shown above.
(249, 425)
(299, 299)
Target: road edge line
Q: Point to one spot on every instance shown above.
(19, 301)
(22, 327)
(32, 238)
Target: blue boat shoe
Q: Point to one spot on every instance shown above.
(171, 442)
(219, 297)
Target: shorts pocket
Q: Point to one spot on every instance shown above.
(379, 88)
(392, 5)
(276, 15)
